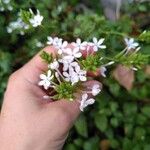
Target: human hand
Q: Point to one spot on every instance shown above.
(27, 121)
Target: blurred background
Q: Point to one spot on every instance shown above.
(120, 119)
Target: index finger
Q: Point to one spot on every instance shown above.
(36, 66)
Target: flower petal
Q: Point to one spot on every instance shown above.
(101, 41)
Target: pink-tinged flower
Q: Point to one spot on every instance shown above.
(85, 101)
(72, 53)
(71, 76)
(96, 89)
(67, 65)
(61, 46)
(81, 74)
(54, 65)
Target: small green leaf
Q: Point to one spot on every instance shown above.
(25, 16)
(79, 142)
(130, 108)
(146, 110)
(70, 147)
(92, 144)
(140, 133)
(147, 147)
(81, 126)
(136, 60)
(65, 90)
(48, 58)
(145, 37)
(127, 144)
(114, 122)
(92, 62)
(114, 143)
(113, 106)
(101, 122)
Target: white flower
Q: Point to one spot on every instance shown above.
(6, 1)
(67, 76)
(67, 65)
(39, 44)
(80, 45)
(97, 44)
(54, 41)
(130, 43)
(50, 40)
(85, 101)
(61, 46)
(81, 74)
(71, 76)
(72, 53)
(75, 74)
(102, 71)
(36, 20)
(15, 25)
(46, 80)
(54, 65)
(95, 89)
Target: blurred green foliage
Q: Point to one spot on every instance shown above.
(120, 118)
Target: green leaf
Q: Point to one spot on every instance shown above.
(25, 16)
(70, 147)
(47, 57)
(114, 122)
(65, 90)
(81, 126)
(141, 119)
(136, 60)
(113, 106)
(127, 144)
(92, 62)
(145, 36)
(79, 142)
(114, 143)
(101, 122)
(128, 128)
(147, 147)
(130, 108)
(140, 133)
(92, 144)
(146, 110)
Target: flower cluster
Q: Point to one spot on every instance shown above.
(74, 64)
(26, 20)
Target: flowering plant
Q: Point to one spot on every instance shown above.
(80, 61)
(76, 62)
(120, 118)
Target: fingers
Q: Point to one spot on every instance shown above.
(36, 66)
